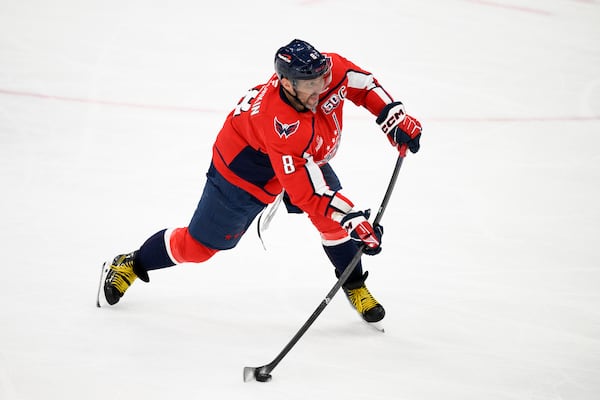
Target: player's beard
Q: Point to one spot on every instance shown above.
(311, 102)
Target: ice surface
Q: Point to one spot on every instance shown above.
(490, 272)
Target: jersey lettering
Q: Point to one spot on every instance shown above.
(334, 100)
(244, 104)
(288, 164)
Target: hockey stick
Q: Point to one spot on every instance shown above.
(263, 374)
(269, 213)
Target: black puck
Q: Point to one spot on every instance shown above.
(262, 377)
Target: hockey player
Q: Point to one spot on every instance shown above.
(280, 137)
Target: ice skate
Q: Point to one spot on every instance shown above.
(363, 301)
(117, 277)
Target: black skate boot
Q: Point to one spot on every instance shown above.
(121, 274)
(363, 301)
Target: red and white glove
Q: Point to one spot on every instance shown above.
(402, 130)
(360, 229)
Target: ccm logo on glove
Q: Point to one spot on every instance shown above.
(403, 131)
(394, 116)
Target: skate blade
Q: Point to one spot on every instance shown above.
(378, 326)
(100, 299)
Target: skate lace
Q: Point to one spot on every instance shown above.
(362, 299)
(122, 276)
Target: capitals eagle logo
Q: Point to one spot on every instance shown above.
(286, 130)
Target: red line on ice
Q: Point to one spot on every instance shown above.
(104, 102)
(208, 110)
(511, 7)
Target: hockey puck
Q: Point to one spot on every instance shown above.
(262, 377)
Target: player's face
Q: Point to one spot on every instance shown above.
(308, 90)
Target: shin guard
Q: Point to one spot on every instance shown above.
(340, 256)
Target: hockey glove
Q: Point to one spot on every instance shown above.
(402, 130)
(360, 229)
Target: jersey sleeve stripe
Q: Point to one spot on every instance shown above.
(316, 177)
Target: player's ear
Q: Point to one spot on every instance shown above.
(287, 85)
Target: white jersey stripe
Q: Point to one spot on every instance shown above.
(316, 177)
(359, 80)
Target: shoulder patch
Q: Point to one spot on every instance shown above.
(285, 130)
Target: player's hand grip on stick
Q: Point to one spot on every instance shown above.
(357, 224)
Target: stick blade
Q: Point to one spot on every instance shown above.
(249, 374)
(259, 374)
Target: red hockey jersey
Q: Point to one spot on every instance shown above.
(266, 145)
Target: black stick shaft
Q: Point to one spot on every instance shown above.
(341, 280)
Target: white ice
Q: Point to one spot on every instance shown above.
(490, 272)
